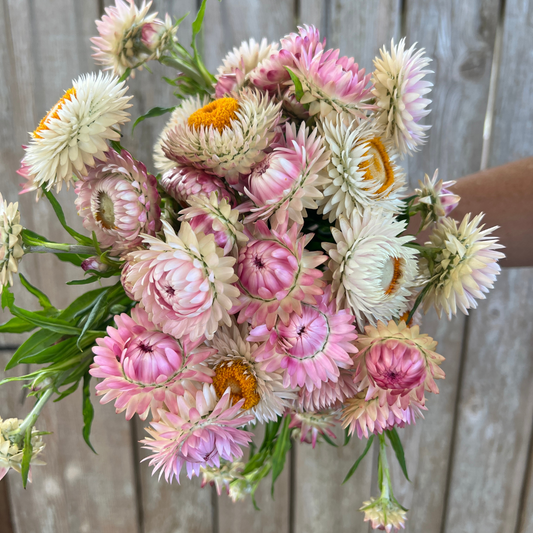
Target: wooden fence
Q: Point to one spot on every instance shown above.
(470, 459)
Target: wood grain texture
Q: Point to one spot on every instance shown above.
(5, 512)
(495, 410)
(230, 22)
(273, 516)
(459, 37)
(427, 445)
(360, 28)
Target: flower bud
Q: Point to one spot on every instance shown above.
(93, 263)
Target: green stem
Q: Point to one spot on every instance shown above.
(30, 420)
(384, 466)
(58, 248)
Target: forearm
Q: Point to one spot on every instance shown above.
(505, 195)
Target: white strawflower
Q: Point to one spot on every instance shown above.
(362, 170)
(74, 132)
(373, 272)
(225, 137)
(11, 450)
(179, 116)
(236, 367)
(465, 266)
(129, 37)
(399, 89)
(10, 242)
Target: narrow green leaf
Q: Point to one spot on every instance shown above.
(7, 298)
(328, 440)
(359, 459)
(82, 239)
(75, 259)
(88, 410)
(298, 89)
(67, 392)
(347, 436)
(26, 457)
(53, 354)
(97, 313)
(154, 112)
(85, 281)
(197, 24)
(282, 446)
(398, 449)
(81, 304)
(125, 76)
(38, 341)
(16, 325)
(44, 301)
(52, 324)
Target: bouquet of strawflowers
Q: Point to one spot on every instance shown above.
(263, 276)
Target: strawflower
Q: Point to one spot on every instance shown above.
(11, 250)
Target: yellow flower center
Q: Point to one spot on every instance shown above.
(237, 376)
(378, 166)
(53, 113)
(392, 272)
(105, 210)
(218, 114)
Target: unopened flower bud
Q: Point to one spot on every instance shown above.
(94, 263)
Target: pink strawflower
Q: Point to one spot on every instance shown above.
(185, 283)
(29, 185)
(333, 85)
(271, 74)
(330, 395)
(180, 183)
(197, 431)
(285, 183)
(276, 274)
(142, 368)
(309, 426)
(211, 215)
(118, 200)
(397, 360)
(366, 416)
(312, 344)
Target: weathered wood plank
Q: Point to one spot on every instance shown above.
(459, 37)
(274, 514)
(495, 411)
(525, 524)
(5, 511)
(314, 12)
(229, 23)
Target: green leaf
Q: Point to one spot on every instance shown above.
(328, 440)
(125, 76)
(38, 341)
(398, 449)
(359, 459)
(44, 301)
(52, 324)
(81, 304)
(347, 436)
(298, 89)
(98, 311)
(67, 392)
(26, 457)
(82, 239)
(282, 446)
(7, 298)
(52, 354)
(197, 24)
(88, 410)
(84, 281)
(154, 112)
(75, 259)
(16, 325)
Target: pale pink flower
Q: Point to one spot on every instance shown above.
(142, 368)
(309, 426)
(331, 394)
(271, 74)
(180, 183)
(333, 85)
(29, 185)
(284, 184)
(276, 274)
(312, 344)
(197, 431)
(185, 283)
(118, 200)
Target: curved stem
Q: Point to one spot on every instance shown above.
(59, 248)
(30, 420)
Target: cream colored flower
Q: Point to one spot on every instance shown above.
(10, 242)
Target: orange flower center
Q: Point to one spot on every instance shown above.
(405, 316)
(218, 114)
(237, 376)
(378, 166)
(392, 273)
(53, 113)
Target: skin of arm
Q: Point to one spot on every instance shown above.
(505, 195)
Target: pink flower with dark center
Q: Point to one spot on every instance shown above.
(180, 183)
(271, 74)
(312, 345)
(197, 431)
(118, 200)
(395, 365)
(276, 275)
(142, 368)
